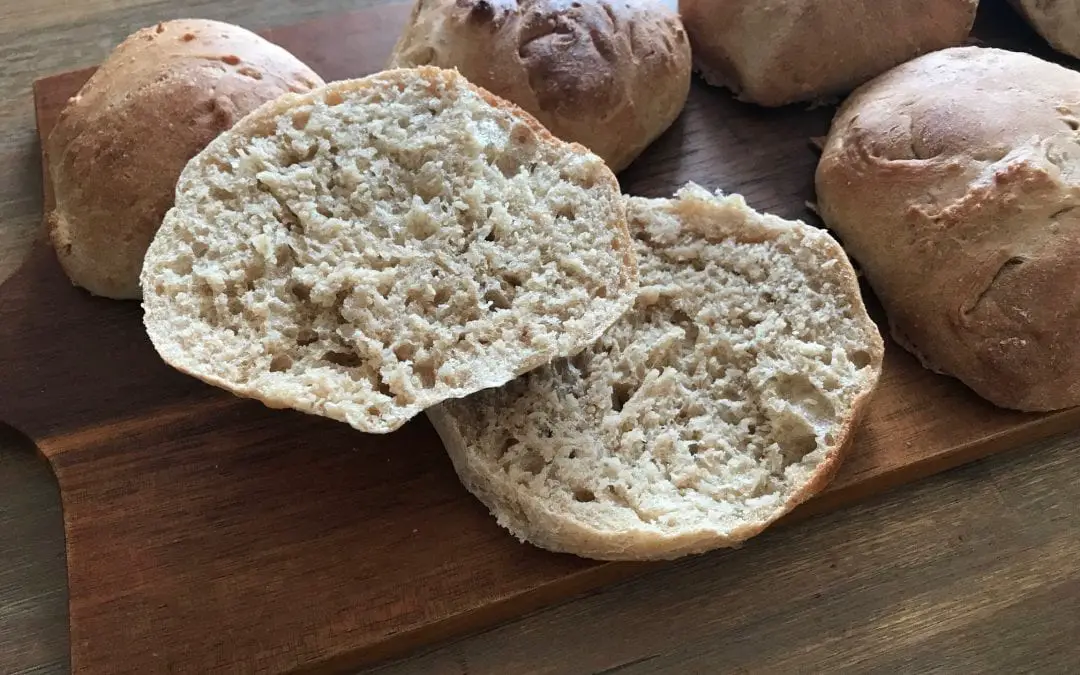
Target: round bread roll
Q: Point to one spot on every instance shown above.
(119, 146)
(784, 51)
(1057, 22)
(612, 75)
(954, 180)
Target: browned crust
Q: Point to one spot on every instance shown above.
(807, 50)
(612, 76)
(705, 23)
(970, 238)
(120, 144)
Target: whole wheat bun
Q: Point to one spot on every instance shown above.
(373, 247)
(119, 145)
(776, 52)
(953, 180)
(612, 75)
(725, 398)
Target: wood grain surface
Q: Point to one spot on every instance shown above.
(82, 448)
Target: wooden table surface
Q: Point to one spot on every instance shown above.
(976, 570)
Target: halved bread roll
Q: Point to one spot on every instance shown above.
(379, 245)
(724, 399)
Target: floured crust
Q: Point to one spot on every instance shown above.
(374, 247)
(952, 181)
(586, 457)
(612, 74)
(787, 51)
(120, 144)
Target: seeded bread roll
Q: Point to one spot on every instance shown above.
(724, 399)
(118, 148)
(954, 181)
(1057, 21)
(775, 52)
(612, 75)
(379, 245)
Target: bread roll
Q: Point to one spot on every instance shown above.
(121, 142)
(776, 52)
(1058, 22)
(953, 180)
(376, 246)
(610, 74)
(726, 397)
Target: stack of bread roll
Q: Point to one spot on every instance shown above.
(613, 376)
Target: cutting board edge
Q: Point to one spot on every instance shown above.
(606, 573)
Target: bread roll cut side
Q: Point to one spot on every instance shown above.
(724, 399)
(379, 245)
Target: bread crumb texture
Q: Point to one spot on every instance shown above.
(720, 402)
(383, 244)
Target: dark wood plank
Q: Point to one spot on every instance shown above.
(33, 581)
(205, 532)
(913, 546)
(972, 571)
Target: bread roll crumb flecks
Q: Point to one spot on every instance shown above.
(379, 245)
(612, 75)
(120, 144)
(724, 399)
(954, 181)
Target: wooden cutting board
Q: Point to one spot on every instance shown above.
(210, 534)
